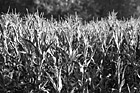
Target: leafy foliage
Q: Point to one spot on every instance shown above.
(86, 9)
(47, 56)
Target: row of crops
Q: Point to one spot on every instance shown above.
(46, 56)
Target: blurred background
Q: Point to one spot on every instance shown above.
(86, 9)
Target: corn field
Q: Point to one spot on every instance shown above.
(38, 55)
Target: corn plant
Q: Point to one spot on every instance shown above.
(39, 55)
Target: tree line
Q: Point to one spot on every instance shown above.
(86, 9)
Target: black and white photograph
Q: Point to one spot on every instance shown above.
(69, 46)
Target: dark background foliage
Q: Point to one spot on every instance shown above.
(87, 9)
